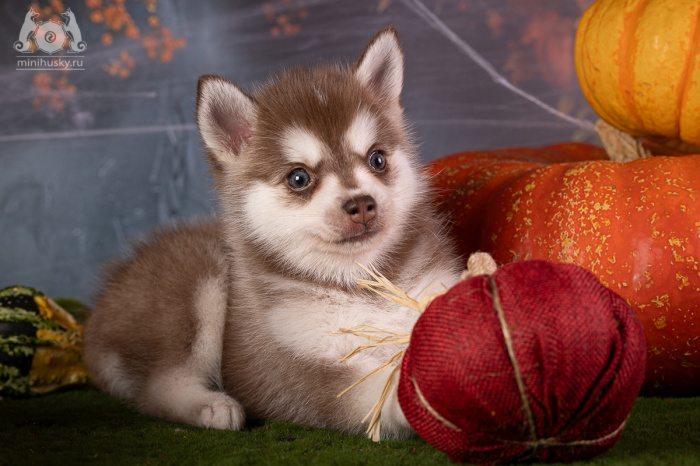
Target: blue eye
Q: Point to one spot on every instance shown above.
(299, 179)
(377, 160)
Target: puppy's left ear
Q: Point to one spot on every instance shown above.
(225, 117)
(380, 68)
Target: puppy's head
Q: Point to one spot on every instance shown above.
(316, 169)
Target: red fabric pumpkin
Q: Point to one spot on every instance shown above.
(538, 361)
(636, 226)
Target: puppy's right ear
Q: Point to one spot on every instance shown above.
(225, 117)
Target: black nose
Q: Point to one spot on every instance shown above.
(361, 209)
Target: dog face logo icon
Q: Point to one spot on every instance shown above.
(49, 36)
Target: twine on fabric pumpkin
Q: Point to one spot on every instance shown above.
(535, 440)
(433, 412)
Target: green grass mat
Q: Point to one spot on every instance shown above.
(87, 427)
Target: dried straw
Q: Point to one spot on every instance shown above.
(383, 287)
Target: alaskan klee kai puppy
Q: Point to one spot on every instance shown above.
(213, 323)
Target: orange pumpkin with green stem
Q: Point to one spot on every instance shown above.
(635, 225)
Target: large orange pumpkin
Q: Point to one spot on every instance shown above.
(638, 63)
(635, 225)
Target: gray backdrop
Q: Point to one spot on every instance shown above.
(90, 158)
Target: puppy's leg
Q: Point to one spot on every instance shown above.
(181, 394)
(191, 392)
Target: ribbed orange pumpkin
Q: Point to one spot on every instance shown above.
(638, 63)
(635, 225)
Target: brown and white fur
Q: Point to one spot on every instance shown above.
(213, 323)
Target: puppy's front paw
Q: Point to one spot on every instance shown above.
(222, 412)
